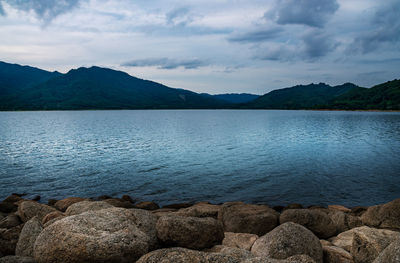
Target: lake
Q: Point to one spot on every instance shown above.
(170, 156)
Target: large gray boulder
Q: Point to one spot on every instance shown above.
(391, 254)
(189, 232)
(183, 255)
(107, 235)
(239, 217)
(27, 238)
(383, 216)
(30, 209)
(315, 220)
(85, 206)
(287, 240)
(368, 243)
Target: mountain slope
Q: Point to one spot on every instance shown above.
(101, 88)
(236, 97)
(385, 96)
(300, 97)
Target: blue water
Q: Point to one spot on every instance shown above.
(273, 157)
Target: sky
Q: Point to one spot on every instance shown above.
(213, 46)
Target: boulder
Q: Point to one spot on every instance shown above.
(10, 221)
(383, 216)
(292, 259)
(86, 206)
(358, 210)
(200, 210)
(52, 202)
(235, 252)
(334, 254)
(62, 205)
(9, 239)
(239, 240)
(147, 206)
(13, 199)
(164, 211)
(7, 207)
(30, 209)
(239, 217)
(119, 203)
(339, 208)
(51, 216)
(27, 238)
(293, 206)
(344, 221)
(183, 255)
(127, 198)
(288, 239)
(368, 243)
(107, 235)
(16, 259)
(313, 219)
(391, 254)
(189, 232)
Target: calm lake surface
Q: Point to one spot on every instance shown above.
(273, 157)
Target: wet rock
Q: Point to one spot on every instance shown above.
(334, 254)
(51, 216)
(200, 210)
(36, 198)
(107, 235)
(239, 240)
(189, 232)
(86, 206)
(127, 198)
(10, 221)
(27, 238)
(7, 207)
(315, 220)
(9, 239)
(339, 208)
(391, 254)
(16, 259)
(383, 216)
(30, 209)
(62, 205)
(287, 240)
(119, 203)
(103, 197)
(147, 206)
(278, 208)
(369, 242)
(13, 199)
(293, 206)
(183, 255)
(178, 206)
(239, 217)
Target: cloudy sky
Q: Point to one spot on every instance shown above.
(213, 46)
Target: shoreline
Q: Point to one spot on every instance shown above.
(124, 230)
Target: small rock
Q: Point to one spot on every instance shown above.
(383, 216)
(86, 206)
(315, 220)
(189, 232)
(27, 238)
(119, 203)
(16, 259)
(239, 240)
(29, 209)
(368, 243)
(62, 205)
(239, 217)
(13, 199)
(334, 254)
(10, 221)
(391, 254)
(147, 206)
(51, 216)
(339, 208)
(288, 239)
(9, 239)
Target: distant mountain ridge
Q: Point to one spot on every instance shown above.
(29, 88)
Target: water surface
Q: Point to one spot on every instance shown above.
(273, 157)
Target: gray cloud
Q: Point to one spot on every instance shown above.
(166, 63)
(255, 36)
(1, 9)
(314, 13)
(318, 44)
(385, 28)
(44, 9)
(179, 16)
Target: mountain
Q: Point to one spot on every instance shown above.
(385, 96)
(101, 88)
(300, 97)
(236, 97)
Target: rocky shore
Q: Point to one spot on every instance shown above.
(120, 230)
